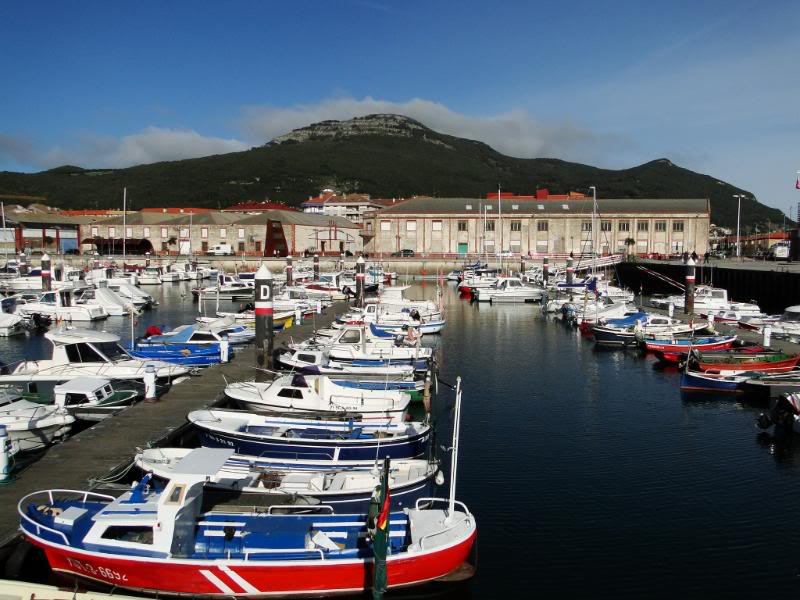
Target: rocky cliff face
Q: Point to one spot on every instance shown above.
(374, 125)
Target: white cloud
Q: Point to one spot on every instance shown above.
(514, 133)
(154, 144)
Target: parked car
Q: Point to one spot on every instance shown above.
(403, 253)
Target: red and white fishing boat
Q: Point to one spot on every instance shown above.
(675, 350)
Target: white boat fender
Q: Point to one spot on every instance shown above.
(150, 384)
(224, 349)
(5, 455)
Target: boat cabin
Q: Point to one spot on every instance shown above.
(82, 391)
(75, 345)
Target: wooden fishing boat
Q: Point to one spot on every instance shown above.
(694, 381)
(162, 540)
(675, 350)
(768, 362)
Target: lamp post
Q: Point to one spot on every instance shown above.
(738, 215)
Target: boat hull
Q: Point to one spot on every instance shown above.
(699, 382)
(409, 447)
(254, 578)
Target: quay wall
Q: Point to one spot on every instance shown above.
(772, 286)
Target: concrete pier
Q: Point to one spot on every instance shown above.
(108, 447)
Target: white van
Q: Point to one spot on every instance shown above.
(221, 250)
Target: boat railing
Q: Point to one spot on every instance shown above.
(257, 551)
(430, 502)
(49, 495)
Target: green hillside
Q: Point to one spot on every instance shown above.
(383, 155)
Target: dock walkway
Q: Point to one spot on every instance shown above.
(102, 450)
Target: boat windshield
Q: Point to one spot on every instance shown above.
(791, 315)
(111, 350)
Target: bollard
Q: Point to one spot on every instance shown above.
(289, 270)
(5, 458)
(521, 265)
(23, 264)
(688, 303)
(264, 322)
(150, 384)
(47, 280)
(570, 269)
(224, 349)
(360, 276)
(670, 309)
(319, 307)
(767, 335)
(298, 315)
(711, 320)
(545, 270)
(316, 267)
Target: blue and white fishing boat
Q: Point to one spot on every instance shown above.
(260, 435)
(358, 343)
(190, 356)
(317, 361)
(345, 490)
(695, 381)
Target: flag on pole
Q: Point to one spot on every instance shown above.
(379, 510)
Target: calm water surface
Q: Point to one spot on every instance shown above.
(588, 473)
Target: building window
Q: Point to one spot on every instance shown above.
(164, 247)
(605, 225)
(386, 225)
(515, 207)
(184, 232)
(468, 206)
(677, 226)
(586, 225)
(542, 225)
(146, 232)
(411, 225)
(204, 233)
(112, 232)
(241, 246)
(516, 225)
(624, 225)
(258, 245)
(641, 226)
(661, 225)
(436, 225)
(164, 233)
(462, 225)
(369, 226)
(129, 232)
(241, 233)
(94, 232)
(489, 225)
(223, 232)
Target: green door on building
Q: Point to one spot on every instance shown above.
(462, 249)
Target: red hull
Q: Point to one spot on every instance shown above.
(780, 366)
(672, 353)
(254, 578)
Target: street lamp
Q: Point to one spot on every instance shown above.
(738, 215)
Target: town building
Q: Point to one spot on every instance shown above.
(263, 233)
(353, 207)
(433, 226)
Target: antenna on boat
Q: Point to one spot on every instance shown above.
(454, 458)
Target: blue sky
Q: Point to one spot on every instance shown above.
(713, 86)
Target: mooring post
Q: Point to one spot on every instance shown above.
(570, 269)
(264, 322)
(316, 267)
(47, 279)
(545, 270)
(767, 332)
(289, 270)
(150, 384)
(23, 263)
(360, 277)
(224, 348)
(688, 303)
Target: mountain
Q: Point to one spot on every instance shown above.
(386, 156)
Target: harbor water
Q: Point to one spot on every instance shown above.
(588, 472)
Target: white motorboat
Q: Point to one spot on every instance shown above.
(88, 353)
(131, 293)
(509, 289)
(170, 275)
(150, 276)
(318, 361)
(62, 305)
(30, 425)
(107, 298)
(354, 344)
(787, 325)
(228, 287)
(706, 299)
(319, 395)
(11, 325)
(592, 311)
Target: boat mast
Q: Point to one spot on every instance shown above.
(124, 225)
(454, 459)
(5, 249)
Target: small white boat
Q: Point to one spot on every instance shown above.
(62, 305)
(228, 287)
(509, 289)
(11, 325)
(318, 361)
(30, 425)
(113, 304)
(150, 276)
(319, 395)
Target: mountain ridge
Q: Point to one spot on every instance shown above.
(384, 155)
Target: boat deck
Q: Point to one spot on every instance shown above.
(109, 446)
